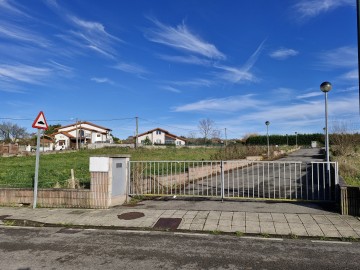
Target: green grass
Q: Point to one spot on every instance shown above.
(56, 168)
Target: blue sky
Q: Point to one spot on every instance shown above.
(172, 63)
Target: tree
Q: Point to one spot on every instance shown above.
(10, 132)
(207, 129)
(52, 129)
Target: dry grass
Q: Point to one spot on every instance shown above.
(349, 168)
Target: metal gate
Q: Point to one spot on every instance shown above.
(264, 180)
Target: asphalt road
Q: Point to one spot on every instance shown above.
(55, 248)
(291, 177)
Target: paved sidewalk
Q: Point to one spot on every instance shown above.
(198, 217)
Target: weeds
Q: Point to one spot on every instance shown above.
(293, 236)
(239, 233)
(9, 222)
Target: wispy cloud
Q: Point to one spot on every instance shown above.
(131, 68)
(191, 59)
(194, 83)
(23, 73)
(351, 75)
(312, 8)
(181, 38)
(340, 57)
(15, 32)
(86, 34)
(228, 104)
(10, 7)
(309, 95)
(283, 53)
(102, 80)
(239, 75)
(171, 89)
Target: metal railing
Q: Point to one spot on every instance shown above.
(271, 180)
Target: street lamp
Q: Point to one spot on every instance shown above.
(267, 123)
(296, 139)
(326, 87)
(287, 140)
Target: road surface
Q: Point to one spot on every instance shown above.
(63, 248)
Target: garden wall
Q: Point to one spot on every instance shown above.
(350, 200)
(103, 191)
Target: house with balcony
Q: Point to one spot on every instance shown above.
(80, 133)
(159, 136)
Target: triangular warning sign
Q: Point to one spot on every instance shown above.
(40, 122)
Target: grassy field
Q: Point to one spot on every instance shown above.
(55, 169)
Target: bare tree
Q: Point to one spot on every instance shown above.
(206, 128)
(10, 132)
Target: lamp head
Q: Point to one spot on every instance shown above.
(267, 123)
(325, 87)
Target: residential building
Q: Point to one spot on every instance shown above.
(159, 136)
(80, 133)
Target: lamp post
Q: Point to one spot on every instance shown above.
(296, 139)
(287, 140)
(267, 123)
(326, 87)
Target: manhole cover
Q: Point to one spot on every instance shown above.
(131, 215)
(168, 223)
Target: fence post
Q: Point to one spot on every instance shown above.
(222, 179)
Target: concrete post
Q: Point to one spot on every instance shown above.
(109, 178)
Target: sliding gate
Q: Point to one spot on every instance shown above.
(315, 181)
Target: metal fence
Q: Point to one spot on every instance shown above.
(314, 181)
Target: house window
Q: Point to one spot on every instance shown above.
(158, 132)
(98, 135)
(62, 142)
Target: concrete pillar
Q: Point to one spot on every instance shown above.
(109, 178)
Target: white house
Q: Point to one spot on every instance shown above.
(82, 133)
(160, 136)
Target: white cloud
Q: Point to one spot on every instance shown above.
(171, 89)
(23, 73)
(310, 95)
(283, 53)
(181, 38)
(102, 80)
(191, 59)
(235, 75)
(12, 31)
(239, 75)
(194, 83)
(340, 57)
(131, 68)
(9, 6)
(86, 34)
(228, 104)
(351, 75)
(312, 8)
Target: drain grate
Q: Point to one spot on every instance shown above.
(168, 223)
(131, 215)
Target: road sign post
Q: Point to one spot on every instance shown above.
(39, 123)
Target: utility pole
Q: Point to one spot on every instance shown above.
(77, 135)
(225, 138)
(137, 131)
